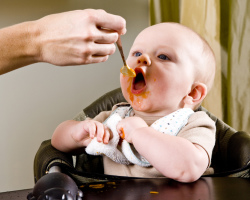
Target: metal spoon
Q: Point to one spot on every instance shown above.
(125, 70)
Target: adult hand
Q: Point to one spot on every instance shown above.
(78, 37)
(70, 38)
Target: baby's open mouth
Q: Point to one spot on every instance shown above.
(139, 82)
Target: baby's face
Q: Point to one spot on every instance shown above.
(163, 58)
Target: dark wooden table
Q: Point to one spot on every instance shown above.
(160, 189)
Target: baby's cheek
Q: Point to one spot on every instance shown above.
(124, 82)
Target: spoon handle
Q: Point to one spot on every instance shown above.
(119, 45)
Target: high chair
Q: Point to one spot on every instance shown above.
(231, 154)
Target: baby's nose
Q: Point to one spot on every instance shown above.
(144, 60)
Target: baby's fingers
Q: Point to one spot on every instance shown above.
(100, 132)
(92, 129)
(120, 130)
(107, 135)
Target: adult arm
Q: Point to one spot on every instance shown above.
(70, 38)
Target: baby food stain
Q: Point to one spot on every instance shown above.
(139, 97)
(131, 96)
(97, 186)
(123, 134)
(154, 192)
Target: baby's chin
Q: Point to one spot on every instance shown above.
(139, 106)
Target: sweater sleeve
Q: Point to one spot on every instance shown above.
(200, 130)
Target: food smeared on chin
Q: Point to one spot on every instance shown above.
(139, 82)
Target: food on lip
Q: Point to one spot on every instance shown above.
(137, 96)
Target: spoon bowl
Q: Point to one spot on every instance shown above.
(125, 70)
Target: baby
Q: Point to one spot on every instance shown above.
(175, 69)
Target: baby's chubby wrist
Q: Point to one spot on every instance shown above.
(138, 134)
(134, 135)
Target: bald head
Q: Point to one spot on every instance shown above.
(204, 61)
(202, 55)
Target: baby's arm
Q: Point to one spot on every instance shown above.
(73, 136)
(175, 157)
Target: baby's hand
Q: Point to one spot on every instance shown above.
(88, 129)
(126, 127)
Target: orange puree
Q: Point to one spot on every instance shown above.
(132, 96)
(97, 186)
(123, 134)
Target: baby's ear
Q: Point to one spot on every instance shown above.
(197, 94)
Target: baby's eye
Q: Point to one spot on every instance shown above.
(163, 57)
(137, 54)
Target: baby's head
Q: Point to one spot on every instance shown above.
(175, 68)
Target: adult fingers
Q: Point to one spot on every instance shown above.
(103, 49)
(111, 22)
(105, 36)
(100, 54)
(95, 53)
(97, 59)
